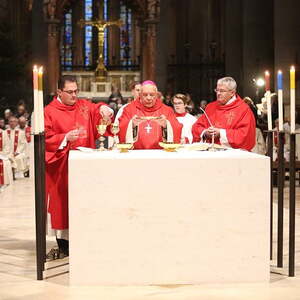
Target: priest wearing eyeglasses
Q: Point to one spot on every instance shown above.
(69, 123)
(229, 119)
(147, 121)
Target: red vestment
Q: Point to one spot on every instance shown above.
(236, 118)
(149, 131)
(59, 120)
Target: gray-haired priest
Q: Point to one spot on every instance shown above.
(229, 119)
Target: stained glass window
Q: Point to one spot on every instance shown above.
(67, 42)
(88, 33)
(126, 35)
(105, 46)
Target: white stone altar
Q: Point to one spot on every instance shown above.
(150, 217)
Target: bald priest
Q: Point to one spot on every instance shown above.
(148, 121)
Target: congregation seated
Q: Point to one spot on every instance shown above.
(6, 175)
(18, 148)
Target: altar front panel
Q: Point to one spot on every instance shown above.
(152, 217)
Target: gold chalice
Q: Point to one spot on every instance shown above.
(101, 130)
(114, 128)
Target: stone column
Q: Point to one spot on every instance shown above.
(149, 45)
(53, 39)
(53, 54)
(78, 34)
(114, 33)
(234, 40)
(287, 44)
(258, 44)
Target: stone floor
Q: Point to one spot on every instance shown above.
(17, 264)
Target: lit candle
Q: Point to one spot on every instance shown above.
(269, 110)
(41, 100)
(267, 81)
(35, 100)
(293, 99)
(280, 100)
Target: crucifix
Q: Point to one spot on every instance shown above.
(148, 128)
(101, 70)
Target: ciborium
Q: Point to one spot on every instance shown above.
(114, 128)
(101, 130)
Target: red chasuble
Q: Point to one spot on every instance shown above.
(59, 120)
(149, 132)
(236, 117)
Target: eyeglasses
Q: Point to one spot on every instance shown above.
(71, 92)
(178, 103)
(222, 91)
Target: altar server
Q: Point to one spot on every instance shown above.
(187, 120)
(229, 119)
(147, 121)
(69, 122)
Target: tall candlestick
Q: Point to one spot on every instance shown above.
(41, 100)
(280, 100)
(267, 81)
(269, 110)
(293, 99)
(36, 125)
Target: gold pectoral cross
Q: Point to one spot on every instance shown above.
(101, 70)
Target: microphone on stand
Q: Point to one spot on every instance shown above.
(211, 125)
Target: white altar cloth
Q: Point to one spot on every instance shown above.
(153, 217)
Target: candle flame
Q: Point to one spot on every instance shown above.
(267, 73)
(279, 72)
(292, 69)
(35, 69)
(41, 70)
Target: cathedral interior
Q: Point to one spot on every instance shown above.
(184, 46)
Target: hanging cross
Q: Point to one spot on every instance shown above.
(148, 128)
(100, 25)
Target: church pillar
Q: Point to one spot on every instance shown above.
(78, 34)
(149, 44)
(234, 41)
(53, 55)
(114, 33)
(286, 36)
(53, 67)
(258, 44)
(163, 33)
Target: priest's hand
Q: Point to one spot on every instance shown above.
(106, 112)
(212, 131)
(136, 121)
(162, 121)
(72, 135)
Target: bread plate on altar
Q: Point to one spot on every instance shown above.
(206, 147)
(169, 147)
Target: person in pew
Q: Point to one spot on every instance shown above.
(228, 119)
(18, 147)
(187, 120)
(69, 123)
(6, 175)
(147, 121)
